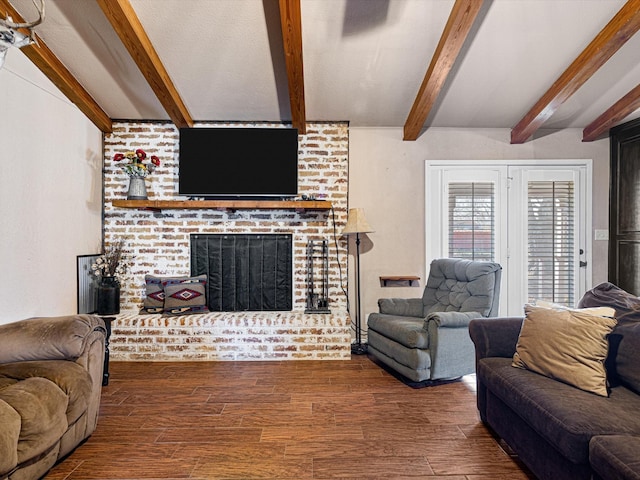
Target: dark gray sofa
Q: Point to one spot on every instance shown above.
(559, 431)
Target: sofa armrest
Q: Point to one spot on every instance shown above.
(495, 337)
(615, 456)
(404, 307)
(451, 319)
(49, 338)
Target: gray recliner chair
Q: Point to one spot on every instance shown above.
(428, 338)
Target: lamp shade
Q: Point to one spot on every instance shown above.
(356, 223)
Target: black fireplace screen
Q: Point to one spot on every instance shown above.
(246, 272)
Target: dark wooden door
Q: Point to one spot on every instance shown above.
(624, 207)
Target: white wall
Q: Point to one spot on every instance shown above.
(50, 193)
(386, 178)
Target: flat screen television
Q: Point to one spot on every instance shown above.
(238, 162)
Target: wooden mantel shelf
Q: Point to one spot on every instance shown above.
(299, 205)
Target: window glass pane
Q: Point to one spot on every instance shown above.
(471, 220)
(551, 241)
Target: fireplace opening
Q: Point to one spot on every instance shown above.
(245, 272)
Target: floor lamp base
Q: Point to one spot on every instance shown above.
(358, 348)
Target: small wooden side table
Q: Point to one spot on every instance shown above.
(399, 278)
(105, 371)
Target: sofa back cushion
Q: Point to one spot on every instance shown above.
(462, 286)
(626, 305)
(623, 361)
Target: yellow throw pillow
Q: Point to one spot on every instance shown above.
(569, 345)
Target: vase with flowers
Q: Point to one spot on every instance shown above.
(137, 168)
(108, 267)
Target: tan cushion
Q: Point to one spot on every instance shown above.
(70, 377)
(47, 338)
(41, 406)
(10, 424)
(569, 345)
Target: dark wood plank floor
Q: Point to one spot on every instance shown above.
(284, 420)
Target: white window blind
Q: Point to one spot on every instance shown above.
(471, 220)
(550, 221)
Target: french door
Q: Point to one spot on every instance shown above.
(531, 217)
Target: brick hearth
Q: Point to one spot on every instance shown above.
(230, 336)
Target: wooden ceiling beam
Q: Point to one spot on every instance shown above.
(43, 58)
(613, 36)
(291, 25)
(461, 19)
(614, 114)
(127, 25)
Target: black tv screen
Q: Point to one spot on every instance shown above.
(247, 162)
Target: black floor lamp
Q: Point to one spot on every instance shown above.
(357, 224)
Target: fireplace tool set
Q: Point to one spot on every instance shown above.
(317, 288)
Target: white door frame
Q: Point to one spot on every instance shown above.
(439, 172)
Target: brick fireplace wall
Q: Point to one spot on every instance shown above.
(158, 243)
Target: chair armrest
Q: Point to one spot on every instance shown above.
(495, 337)
(49, 338)
(451, 319)
(404, 307)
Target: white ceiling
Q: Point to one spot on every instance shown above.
(364, 60)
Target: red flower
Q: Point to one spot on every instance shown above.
(118, 156)
(141, 154)
(155, 160)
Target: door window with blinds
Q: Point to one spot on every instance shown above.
(530, 218)
(551, 252)
(471, 220)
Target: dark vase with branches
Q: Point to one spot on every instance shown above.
(108, 267)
